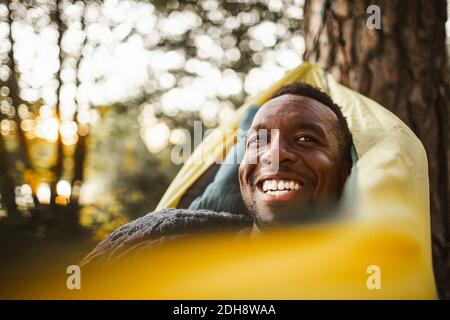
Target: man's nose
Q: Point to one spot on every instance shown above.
(277, 151)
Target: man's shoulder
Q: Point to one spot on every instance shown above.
(161, 226)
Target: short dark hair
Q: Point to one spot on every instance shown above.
(342, 132)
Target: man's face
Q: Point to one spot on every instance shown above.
(292, 161)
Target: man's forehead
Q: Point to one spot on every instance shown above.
(289, 107)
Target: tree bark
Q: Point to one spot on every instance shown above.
(404, 67)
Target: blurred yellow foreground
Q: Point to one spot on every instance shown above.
(382, 251)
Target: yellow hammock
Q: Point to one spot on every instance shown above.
(382, 252)
(390, 233)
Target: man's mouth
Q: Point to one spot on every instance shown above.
(275, 190)
(274, 186)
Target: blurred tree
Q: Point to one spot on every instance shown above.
(403, 66)
(14, 94)
(225, 48)
(7, 183)
(21, 167)
(58, 166)
(11, 94)
(80, 152)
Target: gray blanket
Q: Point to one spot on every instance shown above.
(159, 227)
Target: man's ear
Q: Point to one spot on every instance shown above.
(345, 172)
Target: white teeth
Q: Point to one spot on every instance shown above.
(274, 186)
(281, 185)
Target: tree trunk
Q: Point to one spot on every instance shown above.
(79, 155)
(79, 158)
(14, 94)
(403, 66)
(7, 183)
(58, 168)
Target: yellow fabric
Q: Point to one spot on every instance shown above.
(390, 228)
(387, 229)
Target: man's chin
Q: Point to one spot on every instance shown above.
(311, 212)
(282, 215)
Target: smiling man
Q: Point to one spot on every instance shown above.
(297, 157)
(295, 163)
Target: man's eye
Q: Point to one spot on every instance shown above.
(257, 140)
(305, 139)
(263, 139)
